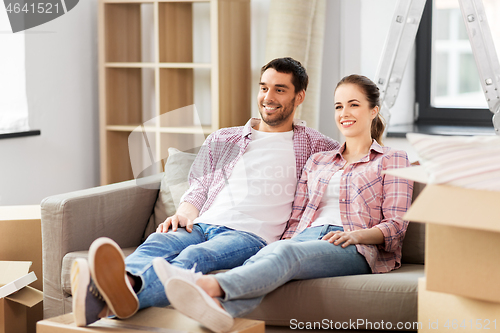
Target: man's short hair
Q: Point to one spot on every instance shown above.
(289, 66)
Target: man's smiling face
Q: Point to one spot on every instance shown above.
(277, 98)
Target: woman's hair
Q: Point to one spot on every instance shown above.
(372, 94)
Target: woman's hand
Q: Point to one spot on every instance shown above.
(342, 237)
(346, 238)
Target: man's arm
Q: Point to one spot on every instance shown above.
(200, 176)
(299, 203)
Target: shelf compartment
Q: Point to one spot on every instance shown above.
(130, 96)
(130, 128)
(130, 65)
(118, 160)
(129, 32)
(155, 65)
(206, 130)
(143, 153)
(185, 97)
(184, 142)
(184, 32)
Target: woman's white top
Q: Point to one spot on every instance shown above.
(328, 211)
(259, 193)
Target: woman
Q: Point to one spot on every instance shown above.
(346, 220)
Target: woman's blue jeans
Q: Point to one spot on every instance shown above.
(210, 247)
(305, 256)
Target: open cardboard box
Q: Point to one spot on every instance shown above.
(16, 296)
(452, 313)
(148, 320)
(21, 240)
(462, 237)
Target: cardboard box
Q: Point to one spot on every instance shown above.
(16, 295)
(441, 312)
(21, 240)
(147, 320)
(462, 237)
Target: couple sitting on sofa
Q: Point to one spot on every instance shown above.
(346, 215)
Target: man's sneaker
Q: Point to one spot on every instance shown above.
(165, 270)
(87, 301)
(190, 300)
(107, 267)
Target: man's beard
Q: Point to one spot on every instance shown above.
(281, 117)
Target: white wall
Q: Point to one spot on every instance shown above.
(374, 19)
(354, 39)
(61, 78)
(331, 69)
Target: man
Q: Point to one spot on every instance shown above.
(242, 186)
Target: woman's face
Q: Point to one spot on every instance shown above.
(353, 114)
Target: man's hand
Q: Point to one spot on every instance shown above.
(175, 221)
(184, 217)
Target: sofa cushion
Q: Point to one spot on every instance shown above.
(413, 251)
(68, 261)
(391, 297)
(173, 185)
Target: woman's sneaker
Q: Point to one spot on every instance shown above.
(165, 270)
(87, 301)
(192, 301)
(107, 267)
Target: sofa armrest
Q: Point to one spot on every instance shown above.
(72, 221)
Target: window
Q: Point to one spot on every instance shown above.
(448, 90)
(13, 101)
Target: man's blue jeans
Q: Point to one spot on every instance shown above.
(210, 247)
(305, 256)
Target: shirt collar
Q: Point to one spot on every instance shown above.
(376, 147)
(247, 130)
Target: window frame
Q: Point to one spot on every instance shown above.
(426, 113)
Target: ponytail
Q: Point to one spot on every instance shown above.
(377, 128)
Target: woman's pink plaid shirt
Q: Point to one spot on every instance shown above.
(368, 198)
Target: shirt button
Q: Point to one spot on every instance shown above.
(345, 216)
(343, 199)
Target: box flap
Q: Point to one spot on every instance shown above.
(27, 296)
(18, 284)
(416, 173)
(456, 206)
(21, 212)
(13, 270)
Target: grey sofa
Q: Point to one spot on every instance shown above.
(70, 222)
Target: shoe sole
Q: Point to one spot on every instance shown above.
(107, 266)
(192, 301)
(80, 275)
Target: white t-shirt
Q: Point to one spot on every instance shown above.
(259, 193)
(328, 211)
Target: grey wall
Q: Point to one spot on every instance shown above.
(61, 79)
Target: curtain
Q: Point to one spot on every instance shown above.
(296, 29)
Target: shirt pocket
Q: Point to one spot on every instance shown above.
(367, 193)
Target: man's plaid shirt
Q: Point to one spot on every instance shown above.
(222, 149)
(368, 199)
